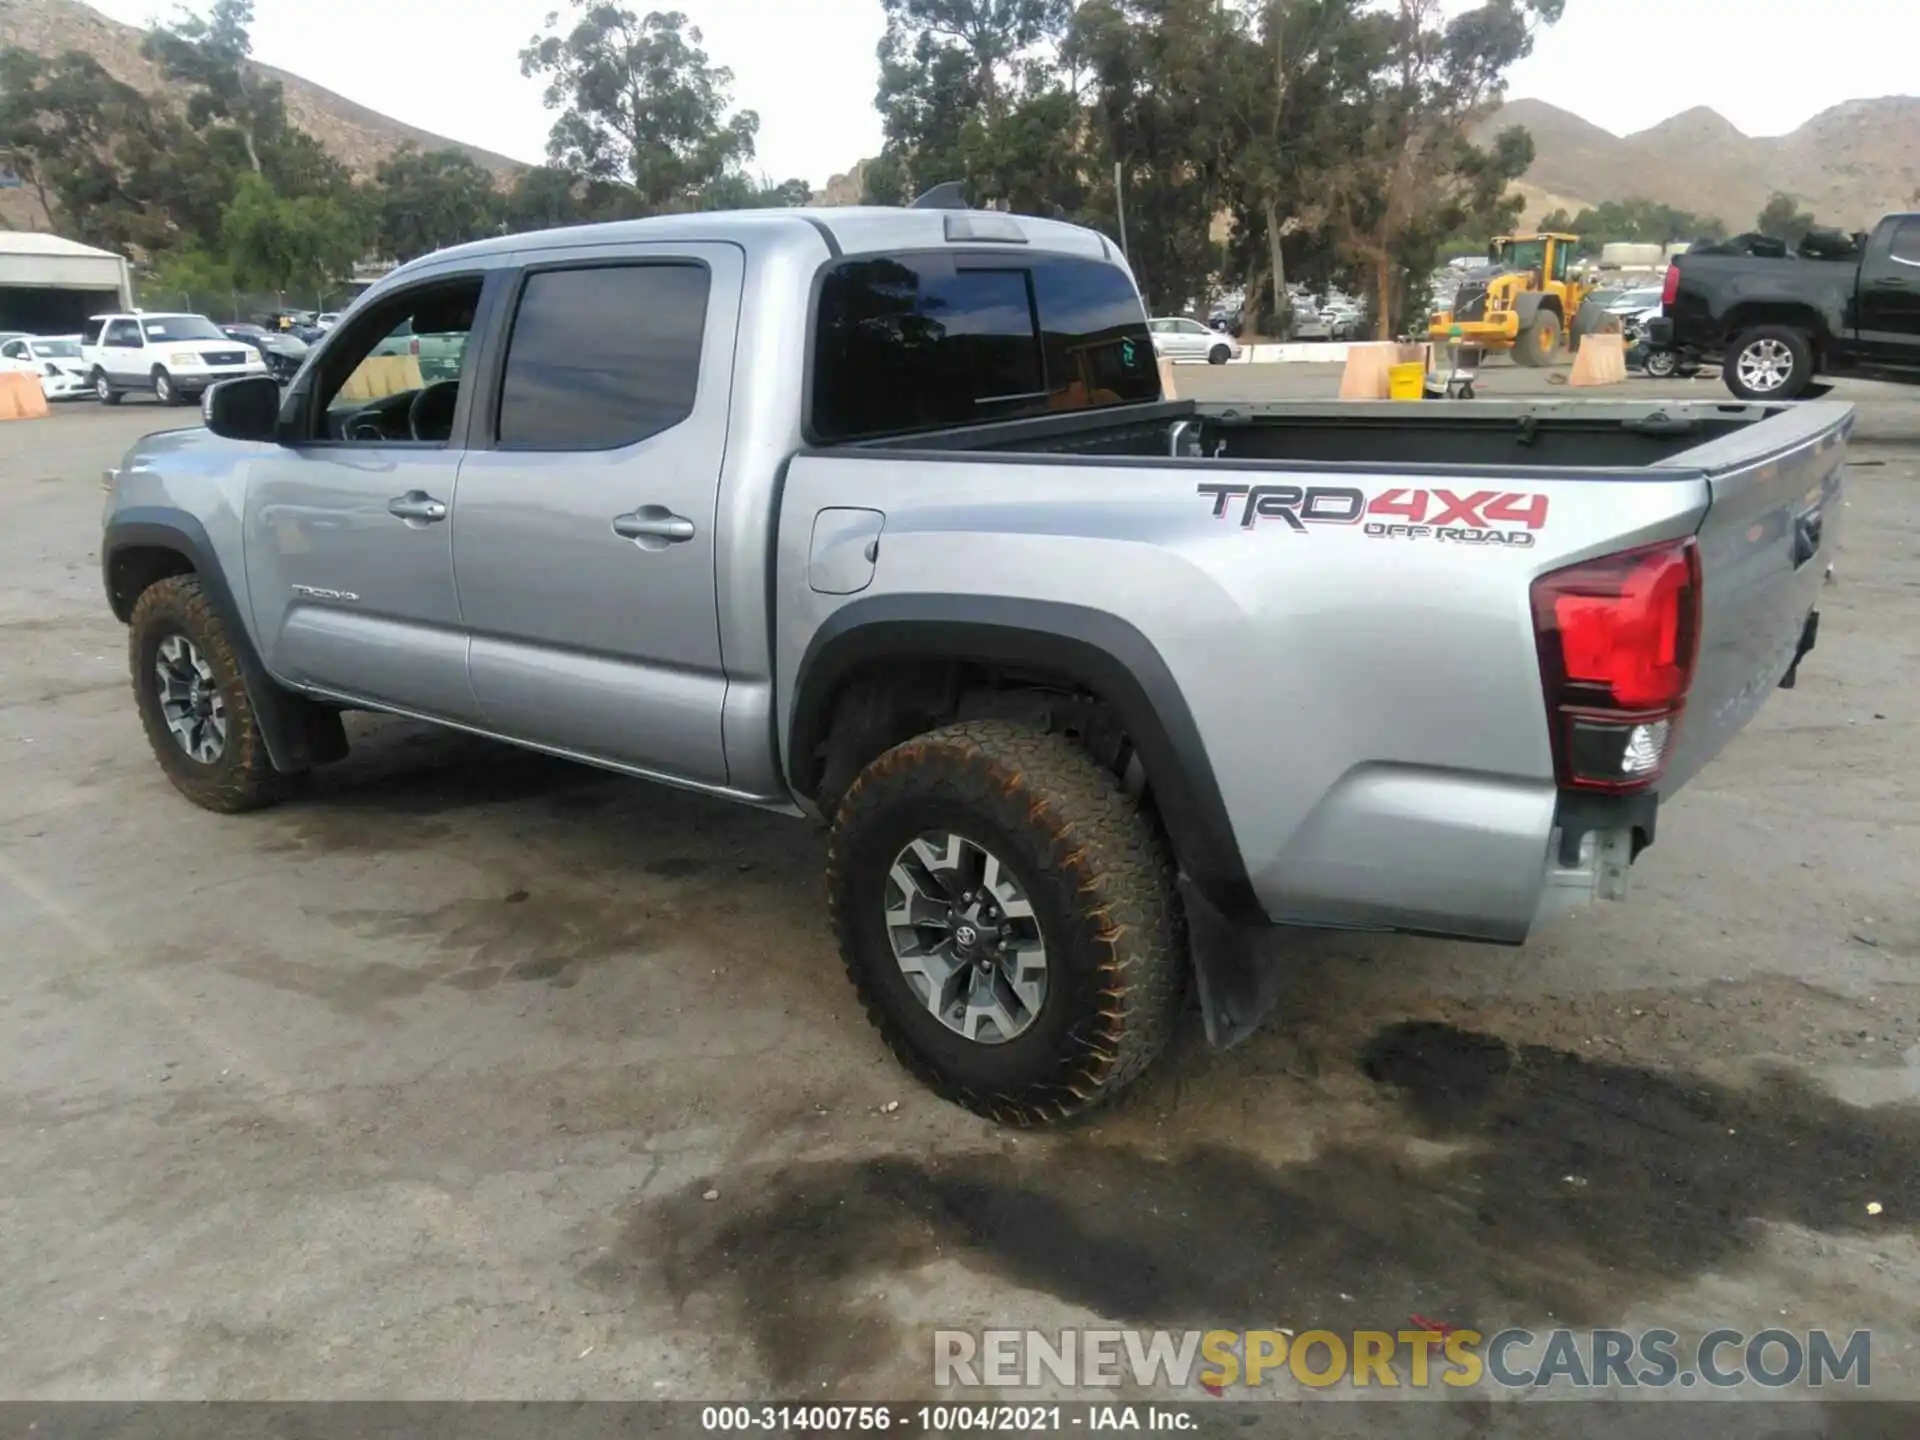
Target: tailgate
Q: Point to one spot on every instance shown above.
(1765, 546)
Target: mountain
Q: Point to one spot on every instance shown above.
(1848, 165)
(356, 136)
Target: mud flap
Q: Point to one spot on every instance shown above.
(1239, 985)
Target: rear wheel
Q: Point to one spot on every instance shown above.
(1219, 355)
(1769, 362)
(1539, 343)
(1661, 364)
(1008, 917)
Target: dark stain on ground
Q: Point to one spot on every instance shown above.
(403, 785)
(475, 945)
(1565, 1188)
(676, 867)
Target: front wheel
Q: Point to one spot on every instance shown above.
(164, 389)
(193, 700)
(1219, 355)
(103, 389)
(1008, 917)
(1769, 362)
(1539, 343)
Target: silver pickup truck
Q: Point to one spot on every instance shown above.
(880, 517)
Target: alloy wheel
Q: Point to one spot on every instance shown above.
(1765, 365)
(190, 700)
(966, 938)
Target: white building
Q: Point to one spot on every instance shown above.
(49, 286)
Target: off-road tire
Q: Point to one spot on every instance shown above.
(243, 778)
(103, 390)
(1539, 343)
(1102, 886)
(1219, 355)
(1797, 345)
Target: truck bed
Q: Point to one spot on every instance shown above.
(1340, 593)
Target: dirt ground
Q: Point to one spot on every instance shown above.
(414, 1087)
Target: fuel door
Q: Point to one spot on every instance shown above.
(846, 547)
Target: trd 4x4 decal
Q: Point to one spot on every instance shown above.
(1483, 517)
(1475, 519)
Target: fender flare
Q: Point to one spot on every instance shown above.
(298, 734)
(1526, 305)
(1094, 649)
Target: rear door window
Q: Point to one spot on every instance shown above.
(921, 341)
(603, 357)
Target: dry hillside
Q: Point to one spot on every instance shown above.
(1848, 165)
(360, 138)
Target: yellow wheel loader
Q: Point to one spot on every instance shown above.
(1526, 302)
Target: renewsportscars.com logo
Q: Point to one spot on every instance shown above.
(1415, 1359)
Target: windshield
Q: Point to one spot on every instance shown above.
(57, 349)
(1524, 254)
(181, 327)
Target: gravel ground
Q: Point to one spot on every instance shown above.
(414, 1087)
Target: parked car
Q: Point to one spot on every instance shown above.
(1179, 338)
(54, 358)
(326, 320)
(1777, 322)
(1309, 323)
(284, 352)
(748, 505)
(176, 357)
(440, 355)
(1629, 302)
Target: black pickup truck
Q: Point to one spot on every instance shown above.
(1776, 323)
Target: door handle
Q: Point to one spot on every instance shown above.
(417, 505)
(655, 523)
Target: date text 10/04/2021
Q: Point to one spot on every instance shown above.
(942, 1419)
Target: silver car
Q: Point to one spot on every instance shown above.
(1182, 339)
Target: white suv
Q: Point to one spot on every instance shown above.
(176, 357)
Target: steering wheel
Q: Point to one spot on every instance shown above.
(430, 416)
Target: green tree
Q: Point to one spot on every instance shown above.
(1415, 168)
(1783, 219)
(970, 91)
(1153, 115)
(304, 245)
(641, 104)
(541, 198)
(428, 201)
(111, 168)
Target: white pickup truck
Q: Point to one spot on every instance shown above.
(879, 516)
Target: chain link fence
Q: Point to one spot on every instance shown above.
(236, 307)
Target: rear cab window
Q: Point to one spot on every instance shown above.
(930, 339)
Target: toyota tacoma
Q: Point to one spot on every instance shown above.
(880, 517)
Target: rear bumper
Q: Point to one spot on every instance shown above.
(1660, 332)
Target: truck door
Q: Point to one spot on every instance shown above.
(583, 538)
(1889, 301)
(348, 542)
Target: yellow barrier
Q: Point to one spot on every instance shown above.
(379, 376)
(21, 397)
(1601, 360)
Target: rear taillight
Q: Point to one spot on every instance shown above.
(1671, 286)
(1618, 637)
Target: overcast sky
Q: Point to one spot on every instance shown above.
(450, 66)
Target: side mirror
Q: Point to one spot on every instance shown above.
(245, 409)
